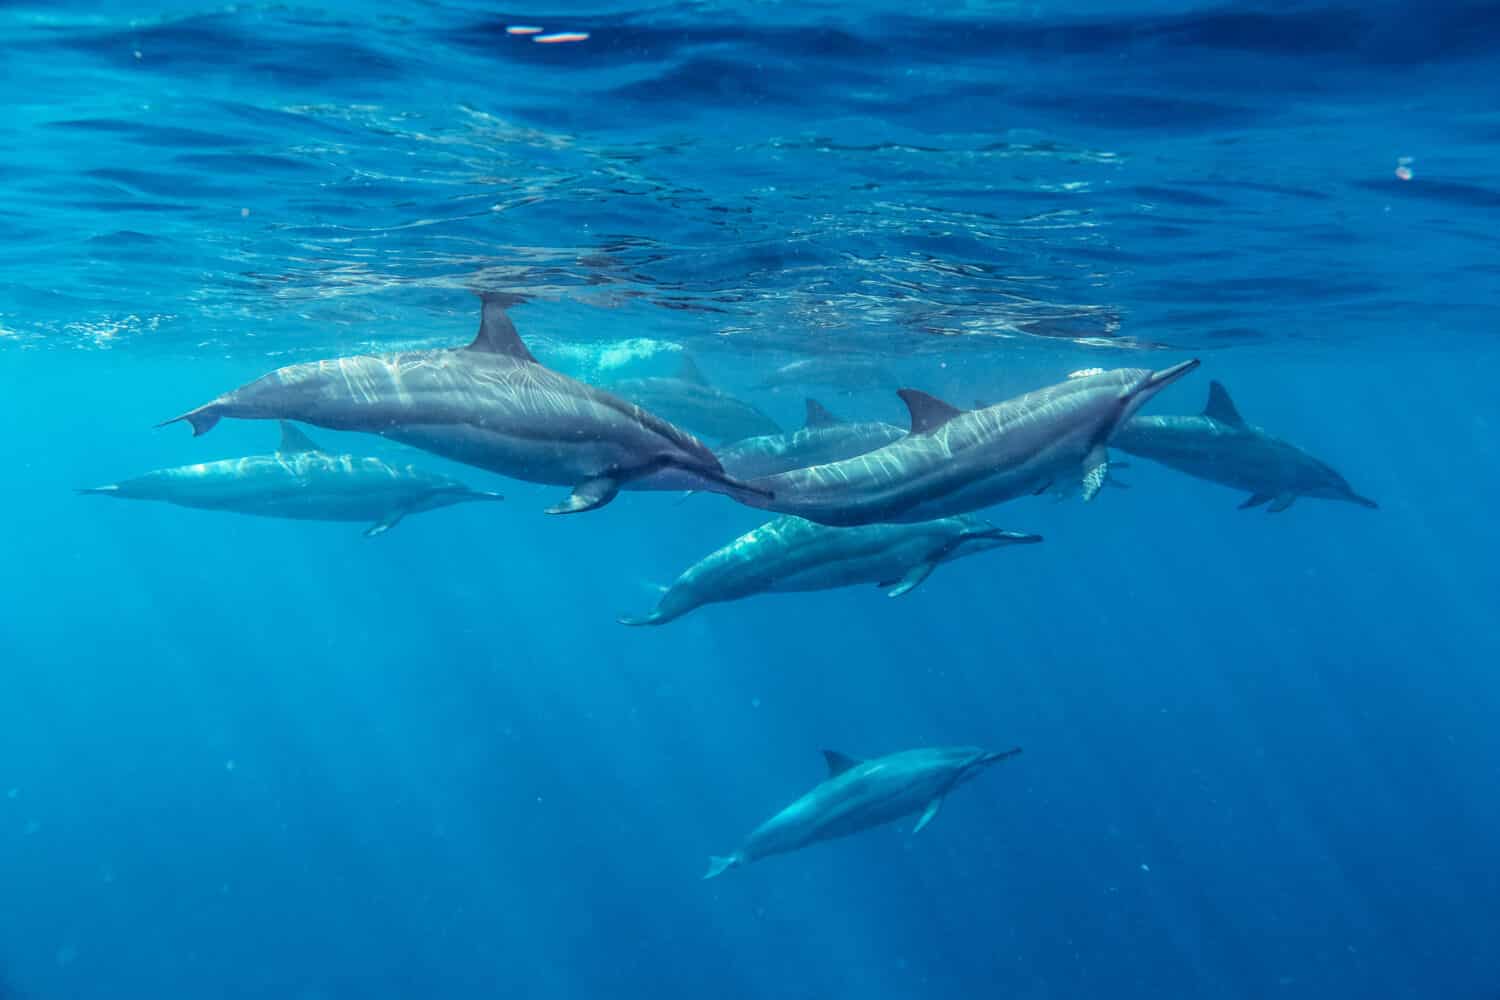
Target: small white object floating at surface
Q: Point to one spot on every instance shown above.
(562, 36)
(522, 29)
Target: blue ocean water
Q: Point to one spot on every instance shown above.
(261, 758)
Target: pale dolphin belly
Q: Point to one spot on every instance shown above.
(555, 462)
(886, 564)
(827, 815)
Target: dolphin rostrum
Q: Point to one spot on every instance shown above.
(490, 405)
(303, 482)
(689, 400)
(790, 554)
(1218, 445)
(860, 794)
(954, 461)
(824, 438)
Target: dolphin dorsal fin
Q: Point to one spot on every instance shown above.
(688, 370)
(818, 415)
(294, 440)
(838, 763)
(497, 334)
(1220, 407)
(928, 413)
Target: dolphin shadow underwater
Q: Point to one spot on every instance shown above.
(491, 405)
(1218, 445)
(859, 795)
(301, 481)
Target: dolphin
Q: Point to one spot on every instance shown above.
(954, 461)
(303, 482)
(689, 400)
(847, 374)
(823, 438)
(790, 554)
(860, 794)
(1218, 445)
(490, 405)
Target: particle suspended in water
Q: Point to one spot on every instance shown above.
(522, 29)
(1403, 168)
(562, 36)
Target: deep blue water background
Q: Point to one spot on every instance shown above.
(245, 758)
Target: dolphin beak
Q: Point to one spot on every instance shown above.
(1364, 501)
(995, 756)
(1167, 376)
(1003, 535)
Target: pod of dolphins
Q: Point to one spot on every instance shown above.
(860, 502)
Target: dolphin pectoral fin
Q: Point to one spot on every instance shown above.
(1281, 503)
(1095, 471)
(293, 440)
(587, 495)
(718, 866)
(202, 419)
(928, 814)
(1255, 500)
(912, 579)
(386, 523)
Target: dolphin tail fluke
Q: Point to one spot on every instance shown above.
(718, 866)
(202, 419)
(1255, 500)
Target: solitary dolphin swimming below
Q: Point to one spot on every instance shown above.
(490, 405)
(860, 794)
(822, 439)
(687, 399)
(790, 554)
(1219, 446)
(303, 482)
(954, 461)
